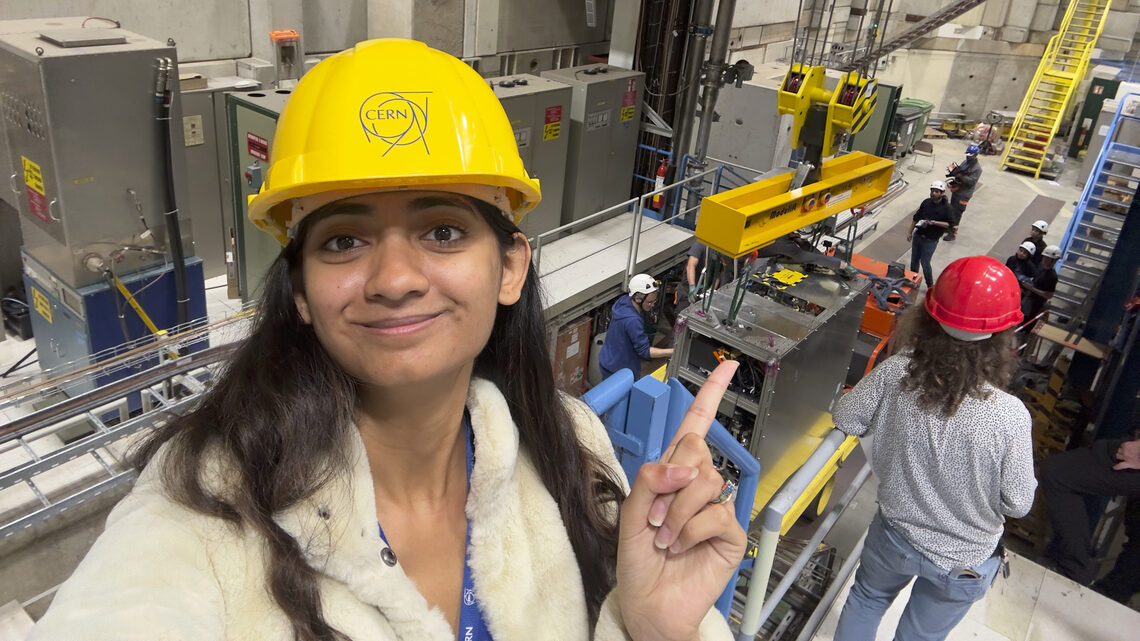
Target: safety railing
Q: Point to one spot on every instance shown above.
(805, 483)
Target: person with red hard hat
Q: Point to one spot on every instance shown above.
(953, 452)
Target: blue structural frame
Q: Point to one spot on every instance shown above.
(643, 416)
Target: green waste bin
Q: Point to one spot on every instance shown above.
(920, 105)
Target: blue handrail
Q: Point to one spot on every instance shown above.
(1091, 184)
(642, 417)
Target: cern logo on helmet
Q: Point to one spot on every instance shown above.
(396, 118)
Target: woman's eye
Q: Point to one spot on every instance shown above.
(342, 243)
(445, 234)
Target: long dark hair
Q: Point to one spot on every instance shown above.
(285, 427)
(946, 370)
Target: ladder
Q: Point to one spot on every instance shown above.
(1061, 70)
(1099, 215)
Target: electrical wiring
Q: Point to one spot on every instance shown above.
(83, 25)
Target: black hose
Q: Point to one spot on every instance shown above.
(164, 95)
(18, 364)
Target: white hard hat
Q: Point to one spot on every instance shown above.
(939, 185)
(1052, 251)
(642, 284)
(1027, 246)
(1041, 226)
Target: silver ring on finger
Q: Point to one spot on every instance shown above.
(727, 493)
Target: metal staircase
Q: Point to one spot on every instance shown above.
(1091, 236)
(1057, 77)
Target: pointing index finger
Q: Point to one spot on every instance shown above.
(703, 410)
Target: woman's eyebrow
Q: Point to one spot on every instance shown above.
(427, 202)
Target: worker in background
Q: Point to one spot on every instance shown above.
(963, 181)
(929, 222)
(1037, 236)
(1037, 291)
(1021, 263)
(953, 452)
(702, 257)
(386, 455)
(627, 344)
(1107, 468)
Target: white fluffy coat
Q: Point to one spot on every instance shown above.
(161, 572)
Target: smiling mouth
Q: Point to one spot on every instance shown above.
(401, 325)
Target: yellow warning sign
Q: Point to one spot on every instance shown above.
(627, 113)
(788, 277)
(33, 176)
(41, 303)
(551, 130)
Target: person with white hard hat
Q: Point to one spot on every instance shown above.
(386, 456)
(1036, 292)
(952, 450)
(1021, 262)
(627, 343)
(1037, 236)
(927, 225)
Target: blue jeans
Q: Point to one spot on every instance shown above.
(921, 251)
(937, 602)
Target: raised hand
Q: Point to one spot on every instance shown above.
(676, 550)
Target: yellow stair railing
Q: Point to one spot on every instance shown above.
(1061, 70)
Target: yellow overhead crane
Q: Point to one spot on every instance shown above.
(739, 221)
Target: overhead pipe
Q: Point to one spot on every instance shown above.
(714, 75)
(690, 80)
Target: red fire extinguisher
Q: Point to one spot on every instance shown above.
(658, 183)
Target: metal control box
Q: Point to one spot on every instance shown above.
(539, 111)
(605, 116)
(794, 344)
(89, 324)
(87, 154)
(252, 121)
(749, 130)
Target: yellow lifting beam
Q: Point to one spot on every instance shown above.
(849, 105)
(738, 221)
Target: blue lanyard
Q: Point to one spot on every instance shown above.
(472, 627)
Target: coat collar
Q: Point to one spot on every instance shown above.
(522, 562)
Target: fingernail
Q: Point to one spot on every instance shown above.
(681, 473)
(663, 539)
(676, 547)
(657, 513)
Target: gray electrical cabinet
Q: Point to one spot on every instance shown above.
(605, 116)
(252, 119)
(206, 143)
(539, 111)
(87, 155)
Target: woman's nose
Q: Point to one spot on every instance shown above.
(396, 269)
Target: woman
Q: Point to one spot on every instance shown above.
(929, 222)
(953, 453)
(386, 457)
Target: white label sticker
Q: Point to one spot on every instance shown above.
(522, 137)
(572, 350)
(192, 130)
(1103, 131)
(598, 120)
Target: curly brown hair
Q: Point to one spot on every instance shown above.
(943, 369)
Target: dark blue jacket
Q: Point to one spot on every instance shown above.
(626, 343)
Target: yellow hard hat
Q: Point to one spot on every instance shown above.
(390, 114)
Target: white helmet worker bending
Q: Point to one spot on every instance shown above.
(627, 345)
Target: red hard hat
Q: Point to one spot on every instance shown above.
(976, 294)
